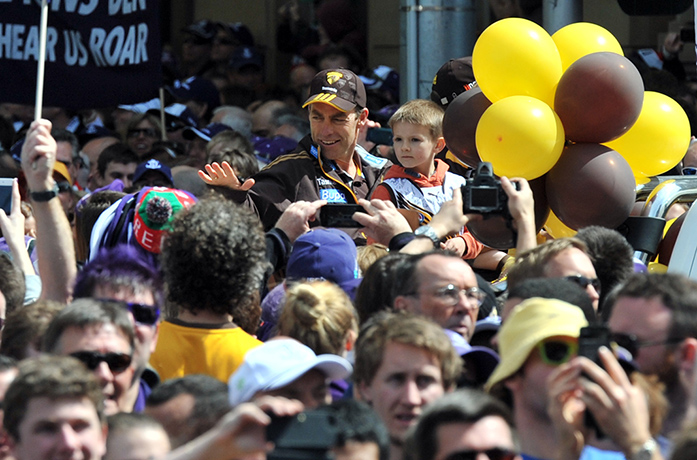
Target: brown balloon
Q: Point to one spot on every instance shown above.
(495, 232)
(599, 97)
(460, 125)
(591, 185)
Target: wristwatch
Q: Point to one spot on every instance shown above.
(646, 451)
(46, 195)
(426, 231)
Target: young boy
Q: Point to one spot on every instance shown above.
(422, 183)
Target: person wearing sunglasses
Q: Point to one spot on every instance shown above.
(464, 425)
(538, 341)
(539, 335)
(561, 258)
(654, 317)
(122, 274)
(143, 131)
(100, 335)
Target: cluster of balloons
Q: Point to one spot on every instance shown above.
(570, 110)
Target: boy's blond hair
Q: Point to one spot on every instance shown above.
(420, 112)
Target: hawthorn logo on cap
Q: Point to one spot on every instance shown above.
(340, 88)
(333, 77)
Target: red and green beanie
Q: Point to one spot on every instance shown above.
(154, 213)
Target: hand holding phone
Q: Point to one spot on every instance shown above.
(6, 194)
(339, 215)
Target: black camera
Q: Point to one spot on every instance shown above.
(306, 436)
(483, 193)
(687, 35)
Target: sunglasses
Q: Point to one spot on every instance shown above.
(584, 281)
(557, 351)
(117, 362)
(689, 171)
(144, 314)
(496, 453)
(632, 344)
(147, 132)
(64, 187)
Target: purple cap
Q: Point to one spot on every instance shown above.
(197, 89)
(153, 165)
(484, 359)
(270, 149)
(323, 253)
(206, 133)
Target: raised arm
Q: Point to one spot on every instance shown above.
(54, 241)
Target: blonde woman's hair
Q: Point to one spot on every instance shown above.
(320, 315)
(368, 254)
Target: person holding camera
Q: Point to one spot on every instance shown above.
(550, 387)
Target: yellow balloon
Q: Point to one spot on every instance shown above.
(659, 138)
(582, 38)
(556, 228)
(655, 267)
(641, 179)
(520, 136)
(515, 56)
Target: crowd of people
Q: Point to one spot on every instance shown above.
(176, 291)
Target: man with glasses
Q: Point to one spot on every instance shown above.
(561, 258)
(462, 426)
(654, 317)
(442, 287)
(123, 274)
(100, 334)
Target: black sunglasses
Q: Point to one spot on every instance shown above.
(147, 132)
(496, 453)
(144, 314)
(632, 344)
(117, 362)
(584, 281)
(64, 187)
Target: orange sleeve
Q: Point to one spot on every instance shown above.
(474, 246)
(382, 193)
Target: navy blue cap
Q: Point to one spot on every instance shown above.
(153, 165)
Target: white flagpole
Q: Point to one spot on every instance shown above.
(42, 61)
